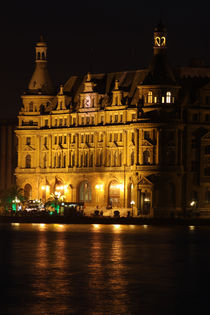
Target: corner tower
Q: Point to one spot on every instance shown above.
(40, 82)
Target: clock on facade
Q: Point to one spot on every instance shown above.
(87, 101)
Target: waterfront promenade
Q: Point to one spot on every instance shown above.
(46, 218)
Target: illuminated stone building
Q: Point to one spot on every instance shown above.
(135, 141)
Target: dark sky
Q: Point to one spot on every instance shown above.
(96, 36)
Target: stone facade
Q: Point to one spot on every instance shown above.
(135, 141)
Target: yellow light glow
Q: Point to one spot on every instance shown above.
(146, 199)
(191, 227)
(132, 202)
(42, 225)
(145, 226)
(99, 187)
(116, 226)
(15, 224)
(43, 187)
(192, 203)
(96, 226)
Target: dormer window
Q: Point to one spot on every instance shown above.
(150, 97)
(168, 97)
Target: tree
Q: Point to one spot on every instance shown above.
(8, 196)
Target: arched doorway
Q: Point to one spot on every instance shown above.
(85, 192)
(114, 194)
(28, 191)
(144, 197)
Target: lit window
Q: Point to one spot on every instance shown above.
(85, 192)
(168, 97)
(163, 99)
(28, 161)
(155, 99)
(150, 97)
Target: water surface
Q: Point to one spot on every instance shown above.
(104, 269)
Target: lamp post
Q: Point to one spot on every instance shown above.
(132, 204)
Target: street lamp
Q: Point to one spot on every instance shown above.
(132, 204)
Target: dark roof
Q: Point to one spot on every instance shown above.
(160, 72)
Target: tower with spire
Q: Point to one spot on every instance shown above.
(40, 91)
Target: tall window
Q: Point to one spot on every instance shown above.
(31, 107)
(91, 160)
(150, 97)
(45, 161)
(146, 157)
(132, 158)
(120, 159)
(28, 161)
(85, 192)
(27, 191)
(207, 149)
(28, 140)
(168, 97)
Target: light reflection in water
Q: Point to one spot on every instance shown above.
(50, 256)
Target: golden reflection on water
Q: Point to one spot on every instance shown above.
(106, 269)
(50, 255)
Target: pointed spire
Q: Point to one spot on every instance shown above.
(40, 81)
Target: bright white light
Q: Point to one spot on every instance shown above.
(132, 202)
(116, 226)
(192, 203)
(96, 226)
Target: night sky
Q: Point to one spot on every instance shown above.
(95, 36)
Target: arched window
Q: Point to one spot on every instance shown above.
(27, 191)
(114, 194)
(146, 157)
(132, 158)
(168, 97)
(85, 192)
(150, 97)
(28, 161)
